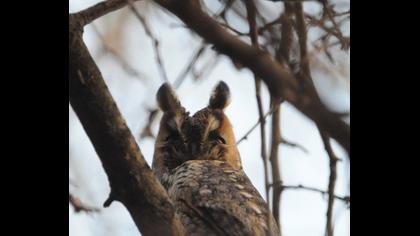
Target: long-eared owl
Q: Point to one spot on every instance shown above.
(197, 161)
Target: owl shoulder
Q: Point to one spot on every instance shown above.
(211, 197)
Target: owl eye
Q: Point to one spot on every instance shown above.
(215, 136)
(221, 140)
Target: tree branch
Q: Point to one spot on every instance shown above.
(282, 56)
(280, 81)
(283, 53)
(275, 163)
(94, 12)
(292, 144)
(254, 127)
(307, 79)
(345, 199)
(131, 179)
(328, 11)
(233, 29)
(331, 183)
(335, 31)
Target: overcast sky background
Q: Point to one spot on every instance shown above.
(302, 212)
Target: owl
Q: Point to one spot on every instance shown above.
(197, 161)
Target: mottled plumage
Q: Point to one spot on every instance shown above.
(197, 161)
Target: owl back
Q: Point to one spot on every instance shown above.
(212, 198)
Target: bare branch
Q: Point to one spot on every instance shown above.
(331, 184)
(295, 145)
(329, 12)
(267, 26)
(305, 76)
(275, 162)
(342, 13)
(283, 53)
(131, 180)
(226, 7)
(155, 42)
(254, 127)
(345, 199)
(178, 81)
(92, 13)
(304, 62)
(335, 31)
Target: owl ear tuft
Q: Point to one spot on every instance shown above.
(220, 97)
(167, 98)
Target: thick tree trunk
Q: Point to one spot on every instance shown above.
(132, 181)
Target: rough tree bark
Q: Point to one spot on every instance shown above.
(131, 179)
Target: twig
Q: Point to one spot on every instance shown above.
(295, 145)
(267, 26)
(178, 81)
(342, 13)
(263, 142)
(335, 31)
(331, 184)
(283, 52)
(223, 12)
(300, 26)
(155, 42)
(233, 29)
(254, 127)
(345, 199)
(79, 206)
(329, 13)
(117, 56)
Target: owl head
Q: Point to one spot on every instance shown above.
(206, 135)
